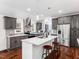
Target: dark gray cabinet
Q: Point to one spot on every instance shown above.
(73, 37)
(16, 41)
(73, 22)
(77, 21)
(60, 21)
(64, 20)
(54, 23)
(74, 31)
(10, 22)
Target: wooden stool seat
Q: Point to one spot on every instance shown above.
(47, 47)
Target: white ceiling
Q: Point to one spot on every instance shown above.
(39, 7)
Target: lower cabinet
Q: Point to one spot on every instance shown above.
(15, 42)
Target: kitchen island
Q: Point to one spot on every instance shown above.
(32, 47)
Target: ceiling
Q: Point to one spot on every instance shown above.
(45, 7)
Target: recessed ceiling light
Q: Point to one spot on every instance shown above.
(37, 17)
(60, 11)
(28, 9)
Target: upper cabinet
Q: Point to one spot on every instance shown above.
(54, 23)
(10, 22)
(75, 21)
(64, 20)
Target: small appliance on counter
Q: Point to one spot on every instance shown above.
(28, 32)
(32, 34)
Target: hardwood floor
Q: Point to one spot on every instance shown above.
(12, 54)
(66, 53)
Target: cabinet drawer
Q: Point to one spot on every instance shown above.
(23, 37)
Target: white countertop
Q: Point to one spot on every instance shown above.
(14, 35)
(39, 41)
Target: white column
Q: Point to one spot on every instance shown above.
(27, 51)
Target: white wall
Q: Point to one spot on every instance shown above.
(2, 34)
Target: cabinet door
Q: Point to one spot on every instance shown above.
(77, 21)
(13, 21)
(64, 20)
(14, 42)
(21, 38)
(54, 23)
(10, 23)
(72, 37)
(73, 22)
(60, 21)
(77, 33)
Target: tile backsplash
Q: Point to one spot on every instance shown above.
(10, 32)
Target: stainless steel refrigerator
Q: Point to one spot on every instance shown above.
(63, 32)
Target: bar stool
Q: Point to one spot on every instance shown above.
(46, 50)
(56, 48)
(55, 44)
